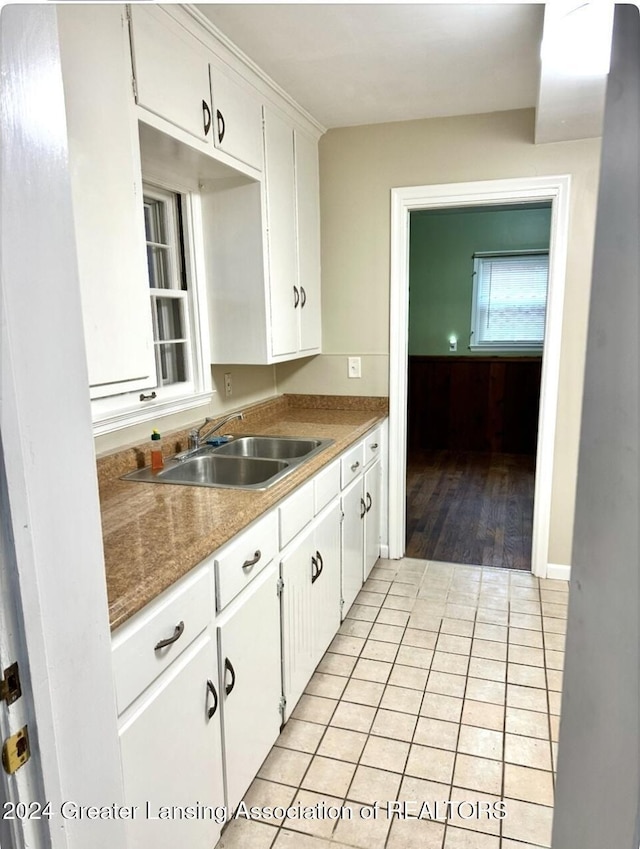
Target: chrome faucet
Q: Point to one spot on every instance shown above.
(196, 436)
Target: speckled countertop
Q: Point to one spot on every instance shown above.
(155, 533)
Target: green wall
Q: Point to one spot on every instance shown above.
(441, 264)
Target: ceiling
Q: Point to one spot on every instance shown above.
(351, 64)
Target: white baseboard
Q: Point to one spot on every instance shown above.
(558, 571)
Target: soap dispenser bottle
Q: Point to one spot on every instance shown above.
(157, 462)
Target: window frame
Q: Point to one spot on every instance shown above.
(125, 409)
(502, 345)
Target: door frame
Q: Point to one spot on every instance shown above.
(405, 200)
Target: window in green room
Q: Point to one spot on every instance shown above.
(509, 300)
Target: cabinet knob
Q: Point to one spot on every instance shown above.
(168, 640)
(355, 465)
(373, 446)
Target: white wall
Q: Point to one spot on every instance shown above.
(358, 168)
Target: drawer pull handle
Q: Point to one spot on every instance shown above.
(228, 667)
(175, 636)
(320, 563)
(373, 446)
(369, 502)
(296, 297)
(211, 689)
(315, 572)
(363, 508)
(355, 466)
(249, 563)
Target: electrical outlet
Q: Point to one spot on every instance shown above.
(228, 385)
(453, 343)
(354, 367)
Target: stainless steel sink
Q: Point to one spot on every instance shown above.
(271, 447)
(247, 462)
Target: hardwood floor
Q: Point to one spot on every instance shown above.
(470, 507)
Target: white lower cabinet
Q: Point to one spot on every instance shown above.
(172, 755)
(354, 510)
(250, 669)
(372, 479)
(310, 571)
(360, 532)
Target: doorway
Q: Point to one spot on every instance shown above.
(478, 279)
(513, 191)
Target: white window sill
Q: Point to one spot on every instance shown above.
(508, 348)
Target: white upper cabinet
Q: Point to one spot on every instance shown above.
(281, 234)
(237, 117)
(106, 185)
(171, 71)
(308, 232)
(293, 227)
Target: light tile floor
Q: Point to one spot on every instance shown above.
(443, 683)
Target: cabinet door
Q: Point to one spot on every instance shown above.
(372, 518)
(172, 755)
(326, 588)
(281, 224)
(353, 507)
(308, 233)
(251, 680)
(171, 71)
(298, 638)
(237, 118)
(106, 185)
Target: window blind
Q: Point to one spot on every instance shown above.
(510, 299)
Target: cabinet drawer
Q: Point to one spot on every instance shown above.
(351, 464)
(238, 563)
(295, 513)
(372, 445)
(326, 486)
(137, 662)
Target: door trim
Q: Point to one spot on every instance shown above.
(482, 193)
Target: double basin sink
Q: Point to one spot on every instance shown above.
(245, 462)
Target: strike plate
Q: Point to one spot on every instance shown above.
(16, 751)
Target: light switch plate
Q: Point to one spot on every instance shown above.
(354, 366)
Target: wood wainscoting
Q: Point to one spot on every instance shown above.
(474, 403)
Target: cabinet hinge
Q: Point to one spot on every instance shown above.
(16, 751)
(280, 586)
(341, 603)
(341, 516)
(10, 687)
(282, 705)
(134, 88)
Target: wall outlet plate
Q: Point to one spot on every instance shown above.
(354, 366)
(228, 385)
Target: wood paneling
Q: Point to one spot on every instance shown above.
(474, 403)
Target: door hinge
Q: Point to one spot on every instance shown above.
(16, 751)
(282, 705)
(280, 586)
(10, 688)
